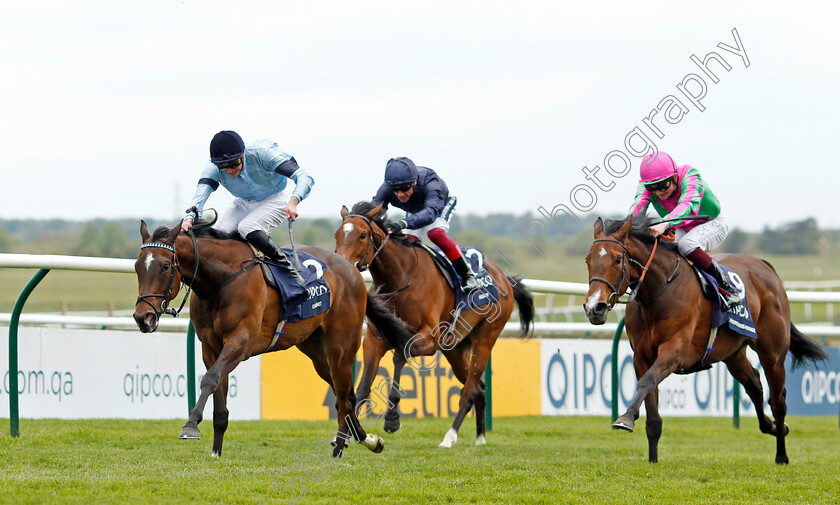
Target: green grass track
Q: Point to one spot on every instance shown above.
(526, 460)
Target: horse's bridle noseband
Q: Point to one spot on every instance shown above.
(624, 277)
(167, 296)
(361, 265)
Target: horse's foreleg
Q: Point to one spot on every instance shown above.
(227, 360)
(220, 416)
(649, 378)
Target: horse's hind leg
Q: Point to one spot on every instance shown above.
(653, 425)
(775, 372)
(374, 348)
(480, 414)
(743, 372)
(470, 357)
(392, 416)
(220, 416)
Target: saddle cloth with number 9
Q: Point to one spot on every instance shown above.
(738, 317)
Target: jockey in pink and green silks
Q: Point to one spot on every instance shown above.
(679, 193)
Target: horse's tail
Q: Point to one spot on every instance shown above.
(393, 329)
(525, 302)
(803, 348)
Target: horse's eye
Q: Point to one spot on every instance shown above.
(165, 267)
(363, 236)
(618, 260)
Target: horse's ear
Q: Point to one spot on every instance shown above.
(344, 211)
(625, 229)
(375, 211)
(173, 233)
(144, 231)
(599, 228)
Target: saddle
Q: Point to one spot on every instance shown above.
(738, 318)
(442, 264)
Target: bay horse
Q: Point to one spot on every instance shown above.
(235, 314)
(420, 296)
(669, 323)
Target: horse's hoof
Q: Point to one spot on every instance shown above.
(392, 425)
(449, 439)
(374, 443)
(782, 460)
(189, 433)
(480, 440)
(622, 423)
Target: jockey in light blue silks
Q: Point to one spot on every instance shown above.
(257, 174)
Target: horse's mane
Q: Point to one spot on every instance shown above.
(639, 231)
(362, 208)
(199, 231)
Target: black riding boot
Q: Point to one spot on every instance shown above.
(263, 242)
(469, 280)
(730, 296)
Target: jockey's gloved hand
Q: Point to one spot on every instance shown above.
(396, 228)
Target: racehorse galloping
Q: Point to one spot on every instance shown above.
(669, 323)
(235, 315)
(421, 297)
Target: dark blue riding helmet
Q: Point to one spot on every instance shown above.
(400, 171)
(226, 146)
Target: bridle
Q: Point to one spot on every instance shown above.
(371, 246)
(624, 275)
(167, 296)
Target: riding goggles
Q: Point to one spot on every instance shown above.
(229, 164)
(402, 188)
(659, 185)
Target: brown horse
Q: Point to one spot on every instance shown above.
(421, 297)
(235, 315)
(669, 323)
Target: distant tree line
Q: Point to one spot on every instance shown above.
(121, 238)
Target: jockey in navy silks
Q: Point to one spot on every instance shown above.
(423, 195)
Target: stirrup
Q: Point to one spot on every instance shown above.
(728, 299)
(470, 283)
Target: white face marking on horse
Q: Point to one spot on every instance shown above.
(592, 301)
(602, 252)
(148, 260)
(348, 229)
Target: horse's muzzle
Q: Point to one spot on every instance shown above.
(597, 314)
(146, 321)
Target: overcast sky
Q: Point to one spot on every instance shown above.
(108, 107)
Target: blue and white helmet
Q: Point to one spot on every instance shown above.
(400, 171)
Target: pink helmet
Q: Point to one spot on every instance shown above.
(656, 167)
